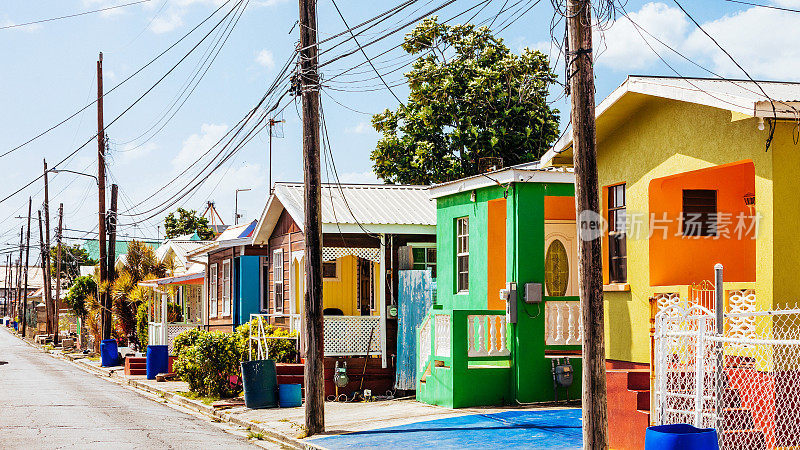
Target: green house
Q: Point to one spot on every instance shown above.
(515, 225)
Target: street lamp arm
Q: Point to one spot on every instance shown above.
(96, 180)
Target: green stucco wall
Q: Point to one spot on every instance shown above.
(526, 377)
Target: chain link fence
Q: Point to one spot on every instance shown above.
(742, 378)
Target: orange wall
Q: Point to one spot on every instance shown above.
(559, 208)
(496, 270)
(678, 260)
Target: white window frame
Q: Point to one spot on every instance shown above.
(462, 253)
(426, 246)
(213, 290)
(278, 279)
(226, 288)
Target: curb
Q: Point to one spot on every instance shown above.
(112, 372)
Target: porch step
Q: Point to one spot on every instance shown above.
(628, 407)
(135, 366)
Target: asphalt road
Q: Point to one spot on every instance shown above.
(49, 403)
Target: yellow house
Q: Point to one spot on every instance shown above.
(692, 172)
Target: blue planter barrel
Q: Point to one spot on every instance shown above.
(289, 395)
(108, 352)
(15, 325)
(260, 383)
(157, 360)
(680, 436)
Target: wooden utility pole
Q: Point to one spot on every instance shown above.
(105, 315)
(48, 286)
(27, 261)
(112, 234)
(19, 274)
(7, 291)
(590, 277)
(58, 270)
(309, 83)
(48, 324)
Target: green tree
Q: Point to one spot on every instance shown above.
(471, 98)
(79, 294)
(187, 222)
(72, 258)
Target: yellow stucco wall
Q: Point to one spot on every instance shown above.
(664, 137)
(340, 293)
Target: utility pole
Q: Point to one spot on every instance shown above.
(48, 324)
(19, 274)
(309, 83)
(112, 235)
(48, 286)
(272, 122)
(58, 270)
(27, 261)
(105, 316)
(7, 290)
(590, 277)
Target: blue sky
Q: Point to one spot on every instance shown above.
(49, 72)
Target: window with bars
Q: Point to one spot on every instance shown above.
(330, 270)
(699, 212)
(277, 279)
(226, 287)
(212, 290)
(462, 254)
(617, 240)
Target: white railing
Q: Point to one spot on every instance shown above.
(562, 321)
(173, 330)
(486, 335)
(352, 335)
(441, 336)
(154, 333)
(425, 343)
(294, 319)
(259, 337)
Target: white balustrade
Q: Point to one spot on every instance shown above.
(425, 343)
(486, 335)
(154, 336)
(352, 335)
(562, 323)
(442, 335)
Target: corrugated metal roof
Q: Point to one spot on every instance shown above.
(181, 248)
(727, 90)
(364, 203)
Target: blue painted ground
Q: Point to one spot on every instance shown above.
(550, 429)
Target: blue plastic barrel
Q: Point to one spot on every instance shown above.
(108, 353)
(15, 325)
(260, 383)
(289, 395)
(680, 436)
(157, 360)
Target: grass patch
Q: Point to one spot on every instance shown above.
(252, 435)
(194, 396)
(93, 358)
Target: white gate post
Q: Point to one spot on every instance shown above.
(661, 370)
(719, 305)
(699, 365)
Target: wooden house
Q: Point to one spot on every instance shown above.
(366, 231)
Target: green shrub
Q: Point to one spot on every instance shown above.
(208, 364)
(280, 350)
(185, 339)
(142, 319)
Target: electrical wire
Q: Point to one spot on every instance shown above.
(71, 15)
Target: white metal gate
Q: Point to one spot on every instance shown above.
(742, 378)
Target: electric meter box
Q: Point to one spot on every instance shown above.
(533, 292)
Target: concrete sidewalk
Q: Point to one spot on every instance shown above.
(286, 425)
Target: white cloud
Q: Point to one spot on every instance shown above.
(131, 152)
(621, 47)
(366, 177)
(197, 144)
(360, 128)
(266, 59)
(166, 22)
(762, 40)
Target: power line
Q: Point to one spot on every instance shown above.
(365, 53)
(779, 8)
(72, 15)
